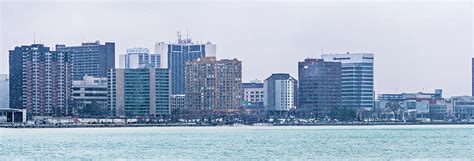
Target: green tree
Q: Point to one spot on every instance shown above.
(343, 114)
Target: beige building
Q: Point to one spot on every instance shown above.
(213, 85)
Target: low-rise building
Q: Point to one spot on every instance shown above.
(463, 107)
(252, 95)
(415, 105)
(177, 102)
(89, 96)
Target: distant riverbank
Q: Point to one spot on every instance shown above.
(227, 125)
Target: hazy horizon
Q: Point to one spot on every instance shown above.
(418, 46)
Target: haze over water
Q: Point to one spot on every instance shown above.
(409, 142)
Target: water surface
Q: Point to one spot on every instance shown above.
(413, 142)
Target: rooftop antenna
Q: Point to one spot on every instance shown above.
(187, 35)
(178, 34)
(34, 37)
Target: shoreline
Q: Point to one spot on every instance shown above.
(35, 126)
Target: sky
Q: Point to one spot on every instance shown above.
(419, 46)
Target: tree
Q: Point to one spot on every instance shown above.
(343, 114)
(395, 107)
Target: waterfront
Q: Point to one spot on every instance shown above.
(430, 142)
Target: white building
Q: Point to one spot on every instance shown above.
(279, 92)
(357, 79)
(253, 95)
(139, 58)
(91, 91)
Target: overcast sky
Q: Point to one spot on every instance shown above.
(418, 46)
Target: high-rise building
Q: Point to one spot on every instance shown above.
(139, 58)
(472, 74)
(175, 55)
(91, 59)
(252, 95)
(4, 91)
(279, 93)
(139, 92)
(319, 87)
(90, 92)
(40, 80)
(357, 79)
(213, 85)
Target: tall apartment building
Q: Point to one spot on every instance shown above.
(4, 91)
(91, 59)
(357, 79)
(139, 58)
(175, 55)
(139, 92)
(319, 87)
(252, 95)
(40, 80)
(279, 93)
(213, 85)
(90, 92)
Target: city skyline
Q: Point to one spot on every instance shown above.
(400, 41)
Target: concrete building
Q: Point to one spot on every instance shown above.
(91, 59)
(139, 58)
(177, 102)
(139, 92)
(463, 107)
(252, 95)
(175, 55)
(357, 79)
(213, 85)
(4, 91)
(416, 105)
(90, 92)
(279, 93)
(319, 87)
(40, 80)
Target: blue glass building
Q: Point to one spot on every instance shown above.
(177, 54)
(357, 79)
(138, 92)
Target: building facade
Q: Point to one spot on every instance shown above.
(41, 80)
(472, 78)
(177, 102)
(139, 58)
(139, 92)
(91, 59)
(176, 56)
(252, 95)
(319, 87)
(463, 107)
(416, 105)
(4, 91)
(89, 96)
(213, 85)
(357, 79)
(279, 93)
